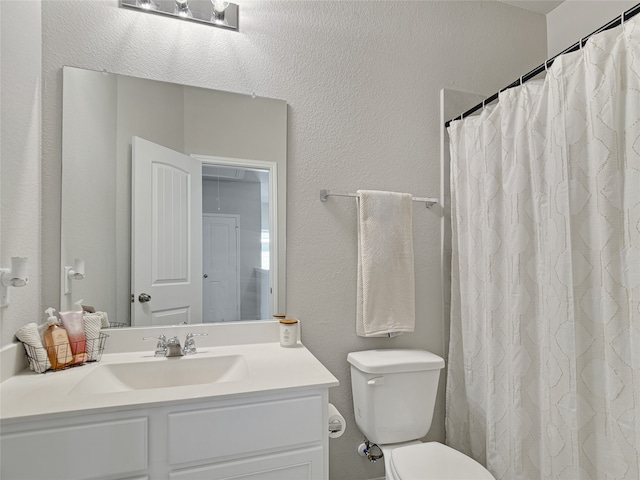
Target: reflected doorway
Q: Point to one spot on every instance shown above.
(201, 249)
(220, 267)
(237, 207)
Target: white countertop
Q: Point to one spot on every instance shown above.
(272, 368)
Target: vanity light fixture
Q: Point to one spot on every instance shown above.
(73, 273)
(217, 13)
(16, 276)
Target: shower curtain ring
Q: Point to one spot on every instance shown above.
(622, 19)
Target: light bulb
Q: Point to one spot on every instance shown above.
(146, 4)
(219, 7)
(182, 9)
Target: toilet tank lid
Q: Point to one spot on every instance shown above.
(394, 361)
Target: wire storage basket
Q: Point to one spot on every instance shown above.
(58, 357)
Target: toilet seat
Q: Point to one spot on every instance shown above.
(435, 461)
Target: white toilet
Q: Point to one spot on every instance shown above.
(394, 393)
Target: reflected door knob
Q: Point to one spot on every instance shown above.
(144, 297)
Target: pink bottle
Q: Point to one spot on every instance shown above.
(74, 325)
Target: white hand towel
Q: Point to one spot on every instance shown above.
(92, 324)
(105, 319)
(386, 283)
(38, 360)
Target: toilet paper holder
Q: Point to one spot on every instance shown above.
(336, 422)
(335, 426)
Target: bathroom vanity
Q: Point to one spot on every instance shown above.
(250, 410)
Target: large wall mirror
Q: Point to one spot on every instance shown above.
(173, 201)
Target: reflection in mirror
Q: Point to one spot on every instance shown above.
(198, 240)
(238, 259)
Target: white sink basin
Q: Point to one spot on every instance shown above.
(161, 373)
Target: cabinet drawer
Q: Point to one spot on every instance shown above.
(295, 465)
(240, 429)
(83, 452)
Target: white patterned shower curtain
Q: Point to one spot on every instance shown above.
(544, 360)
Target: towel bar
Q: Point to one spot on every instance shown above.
(325, 194)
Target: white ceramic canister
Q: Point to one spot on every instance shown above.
(288, 332)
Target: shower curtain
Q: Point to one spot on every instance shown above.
(544, 359)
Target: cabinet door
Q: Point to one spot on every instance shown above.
(304, 464)
(207, 435)
(80, 452)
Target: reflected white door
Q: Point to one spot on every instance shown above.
(166, 249)
(221, 267)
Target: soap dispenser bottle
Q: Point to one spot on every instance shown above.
(56, 342)
(73, 323)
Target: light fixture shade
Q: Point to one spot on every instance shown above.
(182, 9)
(219, 6)
(146, 4)
(219, 9)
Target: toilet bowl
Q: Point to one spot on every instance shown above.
(431, 461)
(394, 393)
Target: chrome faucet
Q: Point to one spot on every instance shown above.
(190, 344)
(161, 346)
(173, 348)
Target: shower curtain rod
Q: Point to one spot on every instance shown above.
(632, 12)
(325, 194)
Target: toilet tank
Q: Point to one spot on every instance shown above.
(394, 393)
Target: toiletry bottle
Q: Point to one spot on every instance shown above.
(56, 342)
(74, 325)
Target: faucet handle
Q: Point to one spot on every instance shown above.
(161, 346)
(190, 344)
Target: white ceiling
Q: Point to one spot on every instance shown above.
(538, 6)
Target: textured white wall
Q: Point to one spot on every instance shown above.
(575, 19)
(362, 82)
(20, 117)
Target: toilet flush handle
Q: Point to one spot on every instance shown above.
(376, 381)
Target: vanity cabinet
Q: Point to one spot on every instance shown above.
(276, 436)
